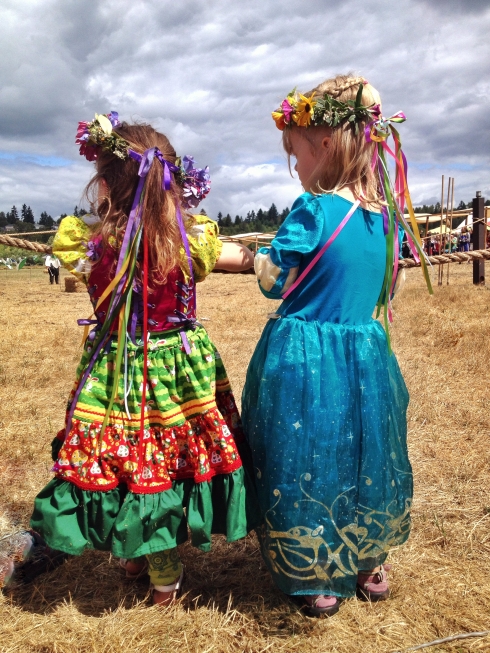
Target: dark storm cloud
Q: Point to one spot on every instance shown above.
(459, 6)
(208, 74)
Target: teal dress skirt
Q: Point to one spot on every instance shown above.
(324, 406)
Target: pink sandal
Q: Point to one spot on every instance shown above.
(373, 586)
(7, 569)
(318, 604)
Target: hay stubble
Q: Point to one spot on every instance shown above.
(440, 580)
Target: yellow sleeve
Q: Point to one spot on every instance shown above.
(70, 246)
(204, 244)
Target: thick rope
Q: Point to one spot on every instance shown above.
(455, 257)
(24, 244)
(440, 259)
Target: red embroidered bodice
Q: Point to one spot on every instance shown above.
(170, 304)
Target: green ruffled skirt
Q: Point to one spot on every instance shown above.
(191, 455)
(131, 525)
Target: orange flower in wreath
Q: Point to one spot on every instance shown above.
(278, 117)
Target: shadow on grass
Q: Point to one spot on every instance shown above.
(230, 577)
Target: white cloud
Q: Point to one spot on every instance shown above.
(208, 74)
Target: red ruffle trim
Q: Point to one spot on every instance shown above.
(201, 448)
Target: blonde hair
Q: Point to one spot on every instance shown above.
(159, 207)
(347, 159)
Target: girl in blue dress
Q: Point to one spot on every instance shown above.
(324, 404)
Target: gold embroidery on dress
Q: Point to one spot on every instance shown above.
(296, 552)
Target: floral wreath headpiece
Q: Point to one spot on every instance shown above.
(323, 110)
(311, 111)
(99, 134)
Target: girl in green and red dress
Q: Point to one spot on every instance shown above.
(150, 446)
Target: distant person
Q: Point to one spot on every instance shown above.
(464, 240)
(139, 463)
(53, 265)
(324, 403)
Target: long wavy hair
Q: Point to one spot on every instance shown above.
(111, 191)
(347, 159)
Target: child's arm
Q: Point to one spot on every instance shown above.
(208, 252)
(234, 258)
(277, 266)
(70, 245)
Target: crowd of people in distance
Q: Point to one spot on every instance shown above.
(449, 243)
(445, 244)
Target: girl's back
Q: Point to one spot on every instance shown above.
(344, 286)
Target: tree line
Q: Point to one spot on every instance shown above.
(271, 219)
(262, 221)
(25, 221)
(436, 208)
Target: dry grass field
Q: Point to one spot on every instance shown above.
(440, 579)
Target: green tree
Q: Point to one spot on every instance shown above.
(46, 220)
(3, 220)
(273, 214)
(227, 220)
(12, 215)
(27, 214)
(461, 206)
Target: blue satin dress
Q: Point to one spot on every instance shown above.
(324, 406)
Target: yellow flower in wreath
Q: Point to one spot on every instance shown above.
(304, 110)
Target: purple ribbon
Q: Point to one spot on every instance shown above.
(185, 320)
(85, 322)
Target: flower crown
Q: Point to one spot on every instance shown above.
(305, 111)
(99, 134)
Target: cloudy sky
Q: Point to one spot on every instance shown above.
(208, 73)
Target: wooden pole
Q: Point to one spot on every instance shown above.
(479, 237)
(441, 269)
(450, 179)
(450, 228)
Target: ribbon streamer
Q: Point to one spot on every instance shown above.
(122, 306)
(395, 196)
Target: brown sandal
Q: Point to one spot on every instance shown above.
(125, 564)
(170, 592)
